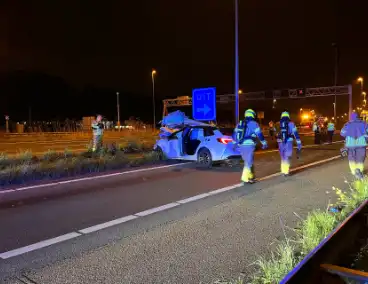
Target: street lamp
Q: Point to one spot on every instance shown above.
(236, 92)
(364, 95)
(361, 81)
(240, 92)
(153, 97)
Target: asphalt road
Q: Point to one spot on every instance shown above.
(98, 201)
(205, 243)
(39, 147)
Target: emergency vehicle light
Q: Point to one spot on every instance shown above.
(224, 140)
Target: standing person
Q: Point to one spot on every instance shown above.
(271, 129)
(330, 131)
(245, 135)
(285, 139)
(97, 129)
(355, 133)
(317, 133)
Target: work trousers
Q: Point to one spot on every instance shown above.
(356, 157)
(286, 152)
(247, 153)
(97, 142)
(317, 137)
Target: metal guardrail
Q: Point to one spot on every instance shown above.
(336, 250)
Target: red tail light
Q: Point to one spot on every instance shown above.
(224, 140)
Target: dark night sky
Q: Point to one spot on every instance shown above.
(114, 45)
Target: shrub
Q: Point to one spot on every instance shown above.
(349, 200)
(278, 265)
(314, 228)
(25, 157)
(50, 156)
(4, 160)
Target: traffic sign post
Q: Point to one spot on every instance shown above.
(204, 104)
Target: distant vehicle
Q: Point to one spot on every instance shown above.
(197, 141)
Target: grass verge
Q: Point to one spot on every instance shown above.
(308, 234)
(53, 165)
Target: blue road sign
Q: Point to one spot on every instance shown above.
(204, 104)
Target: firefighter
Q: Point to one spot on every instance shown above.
(245, 135)
(355, 134)
(317, 133)
(97, 129)
(330, 131)
(288, 132)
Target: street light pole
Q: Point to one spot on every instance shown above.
(153, 98)
(118, 108)
(336, 74)
(236, 91)
(362, 93)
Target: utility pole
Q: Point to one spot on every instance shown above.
(118, 108)
(236, 91)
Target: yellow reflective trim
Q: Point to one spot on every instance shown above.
(285, 167)
(352, 166)
(247, 174)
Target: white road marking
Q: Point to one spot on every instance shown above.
(118, 221)
(306, 146)
(315, 163)
(39, 245)
(107, 224)
(94, 177)
(224, 189)
(193, 198)
(157, 209)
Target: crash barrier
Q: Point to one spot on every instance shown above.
(331, 259)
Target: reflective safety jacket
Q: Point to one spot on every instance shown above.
(355, 133)
(330, 126)
(246, 132)
(291, 132)
(97, 128)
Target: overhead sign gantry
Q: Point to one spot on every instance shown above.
(272, 95)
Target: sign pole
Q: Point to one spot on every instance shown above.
(236, 91)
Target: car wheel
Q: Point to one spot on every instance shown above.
(204, 158)
(159, 153)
